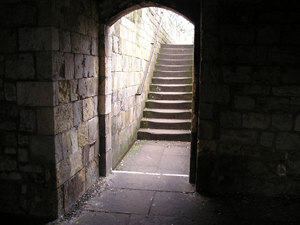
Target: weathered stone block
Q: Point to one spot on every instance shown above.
(286, 91)
(64, 91)
(23, 140)
(45, 121)
(287, 141)
(69, 66)
(42, 149)
(7, 163)
(35, 93)
(10, 151)
(268, 34)
(88, 66)
(214, 93)
(79, 66)
(86, 44)
(8, 125)
(9, 37)
(63, 115)
(22, 155)
(20, 67)
(92, 87)
(69, 142)
(96, 109)
(267, 75)
(74, 188)
(297, 123)
(257, 90)
(74, 90)
(239, 136)
(290, 75)
(64, 41)
(88, 109)
(256, 120)
(49, 65)
(27, 121)
(237, 34)
(76, 42)
(58, 148)
(93, 126)
(81, 44)
(83, 135)
(241, 102)
(231, 119)
(10, 92)
(38, 39)
(78, 109)
(207, 129)
(241, 74)
(94, 46)
(92, 174)
(68, 167)
(267, 139)
(291, 34)
(283, 122)
(26, 14)
(82, 88)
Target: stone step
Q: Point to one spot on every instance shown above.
(177, 46)
(174, 124)
(168, 113)
(169, 104)
(177, 51)
(172, 74)
(171, 87)
(176, 56)
(172, 80)
(164, 134)
(187, 62)
(170, 95)
(161, 67)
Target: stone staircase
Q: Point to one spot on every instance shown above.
(168, 111)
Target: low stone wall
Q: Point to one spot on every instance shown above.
(129, 44)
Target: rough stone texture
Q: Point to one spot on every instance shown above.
(128, 45)
(259, 122)
(251, 50)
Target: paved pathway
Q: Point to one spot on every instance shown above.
(150, 187)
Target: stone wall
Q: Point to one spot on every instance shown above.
(129, 44)
(249, 136)
(49, 105)
(27, 98)
(76, 114)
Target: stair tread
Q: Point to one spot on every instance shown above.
(172, 85)
(169, 101)
(167, 110)
(173, 78)
(169, 93)
(164, 131)
(157, 120)
(171, 71)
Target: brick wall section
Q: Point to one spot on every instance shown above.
(249, 99)
(129, 44)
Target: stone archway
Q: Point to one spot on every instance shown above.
(105, 85)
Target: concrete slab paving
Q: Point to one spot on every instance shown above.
(144, 192)
(122, 201)
(151, 182)
(100, 218)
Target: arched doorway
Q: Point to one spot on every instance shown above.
(106, 124)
